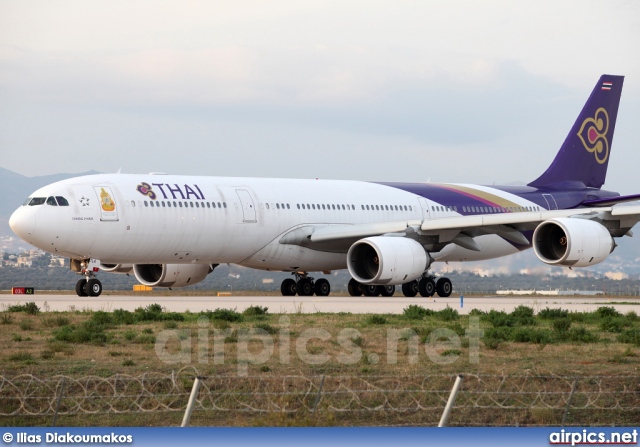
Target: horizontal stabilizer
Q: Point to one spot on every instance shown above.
(608, 201)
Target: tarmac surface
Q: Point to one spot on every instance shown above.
(330, 304)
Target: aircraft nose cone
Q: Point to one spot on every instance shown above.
(22, 223)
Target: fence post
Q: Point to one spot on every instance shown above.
(566, 410)
(452, 399)
(315, 405)
(192, 402)
(55, 415)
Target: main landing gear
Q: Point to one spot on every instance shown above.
(428, 286)
(304, 285)
(425, 286)
(357, 289)
(89, 285)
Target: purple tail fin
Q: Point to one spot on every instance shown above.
(584, 156)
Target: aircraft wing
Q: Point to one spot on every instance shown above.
(460, 230)
(332, 232)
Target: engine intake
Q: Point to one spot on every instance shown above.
(171, 275)
(387, 260)
(572, 242)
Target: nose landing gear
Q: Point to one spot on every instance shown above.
(89, 285)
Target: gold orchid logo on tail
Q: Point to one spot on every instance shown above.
(593, 134)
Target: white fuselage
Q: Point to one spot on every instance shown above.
(170, 219)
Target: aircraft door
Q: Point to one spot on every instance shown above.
(425, 208)
(551, 202)
(248, 208)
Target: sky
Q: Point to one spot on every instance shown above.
(441, 91)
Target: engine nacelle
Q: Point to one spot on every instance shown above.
(116, 268)
(387, 260)
(572, 242)
(171, 275)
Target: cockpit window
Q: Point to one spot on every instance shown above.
(37, 201)
(26, 202)
(52, 201)
(62, 201)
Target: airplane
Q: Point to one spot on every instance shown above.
(173, 230)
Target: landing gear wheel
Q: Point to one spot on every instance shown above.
(322, 287)
(93, 287)
(371, 290)
(288, 287)
(410, 289)
(444, 287)
(80, 287)
(354, 287)
(304, 287)
(427, 287)
(387, 290)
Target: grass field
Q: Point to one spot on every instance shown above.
(258, 344)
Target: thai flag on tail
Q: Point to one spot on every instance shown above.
(607, 85)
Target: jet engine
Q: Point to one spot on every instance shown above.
(116, 268)
(387, 260)
(171, 275)
(572, 242)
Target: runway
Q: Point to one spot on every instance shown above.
(297, 304)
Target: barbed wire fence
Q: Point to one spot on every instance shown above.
(482, 400)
